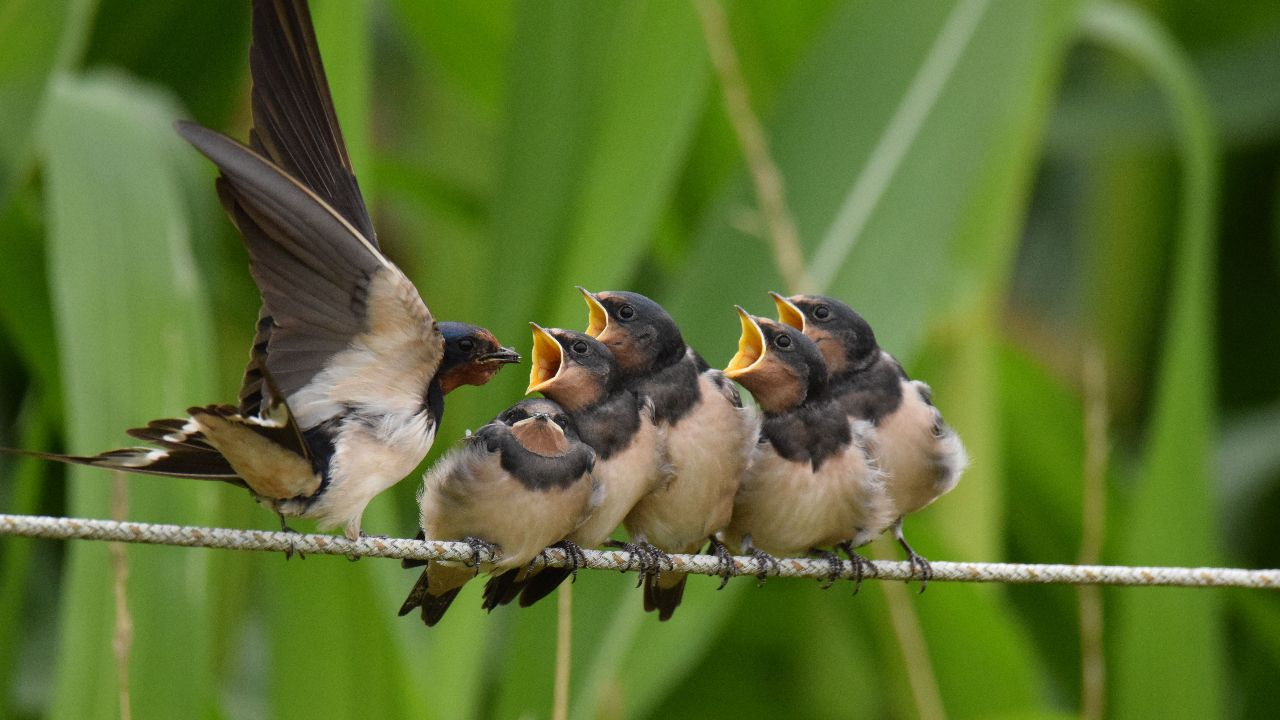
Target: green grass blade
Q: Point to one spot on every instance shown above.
(37, 38)
(135, 345)
(1162, 639)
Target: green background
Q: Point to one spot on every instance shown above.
(1005, 189)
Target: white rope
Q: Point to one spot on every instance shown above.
(56, 528)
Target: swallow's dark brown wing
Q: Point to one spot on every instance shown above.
(294, 123)
(347, 328)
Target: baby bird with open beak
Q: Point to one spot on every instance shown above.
(922, 457)
(580, 374)
(811, 483)
(709, 435)
(515, 486)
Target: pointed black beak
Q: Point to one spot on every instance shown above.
(502, 355)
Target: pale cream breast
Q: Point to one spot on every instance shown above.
(919, 466)
(366, 462)
(708, 450)
(469, 494)
(624, 479)
(786, 508)
(387, 367)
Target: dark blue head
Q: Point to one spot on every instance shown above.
(638, 331)
(472, 355)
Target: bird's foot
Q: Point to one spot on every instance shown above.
(288, 554)
(922, 566)
(725, 560)
(574, 557)
(478, 547)
(835, 567)
(862, 567)
(764, 563)
(644, 557)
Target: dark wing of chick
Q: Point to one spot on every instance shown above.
(347, 328)
(294, 123)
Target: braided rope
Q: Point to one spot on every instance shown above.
(56, 528)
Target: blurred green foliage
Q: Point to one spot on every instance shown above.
(1000, 186)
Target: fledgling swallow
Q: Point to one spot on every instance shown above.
(580, 374)
(348, 371)
(515, 486)
(709, 434)
(812, 483)
(922, 457)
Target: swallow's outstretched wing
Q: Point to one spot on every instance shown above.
(346, 329)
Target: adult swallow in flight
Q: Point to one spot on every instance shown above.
(580, 374)
(346, 378)
(922, 457)
(512, 488)
(709, 434)
(812, 483)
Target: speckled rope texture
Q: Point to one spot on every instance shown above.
(57, 528)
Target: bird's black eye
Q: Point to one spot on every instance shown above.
(626, 312)
(782, 341)
(822, 312)
(579, 347)
(466, 344)
(562, 422)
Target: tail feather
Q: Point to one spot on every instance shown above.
(435, 591)
(543, 584)
(168, 462)
(173, 434)
(664, 594)
(502, 589)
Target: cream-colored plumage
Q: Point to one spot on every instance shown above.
(785, 508)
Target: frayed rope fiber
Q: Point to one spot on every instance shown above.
(58, 528)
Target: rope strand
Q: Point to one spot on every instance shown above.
(56, 528)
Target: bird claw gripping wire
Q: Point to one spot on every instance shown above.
(725, 562)
(835, 567)
(861, 566)
(764, 563)
(478, 547)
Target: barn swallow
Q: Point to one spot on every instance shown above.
(709, 434)
(512, 488)
(811, 483)
(580, 374)
(328, 471)
(347, 374)
(922, 457)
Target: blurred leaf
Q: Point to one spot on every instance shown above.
(134, 336)
(1100, 119)
(597, 125)
(21, 492)
(197, 49)
(25, 315)
(37, 38)
(1173, 498)
(467, 42)
(971, 160)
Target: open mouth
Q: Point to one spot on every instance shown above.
(547, 359)
(788, 313)
(598, 320)
(750, 346)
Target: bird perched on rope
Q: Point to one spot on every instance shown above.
(581, 375)
(812, 483)
(709, 435)
(512, 488)
(347, 374)
(922, 457)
